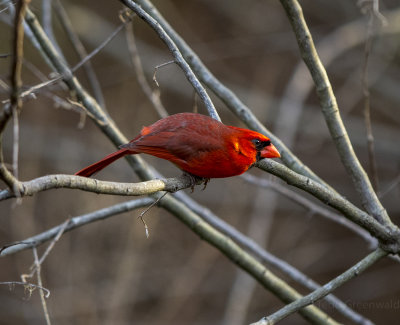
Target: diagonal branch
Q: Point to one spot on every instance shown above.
(389, 236)
(313, 207)
(179, 59)
(80, 50)
(331, 113)
(73, 223)
(354, 271)
(266, 257)
(228, 96)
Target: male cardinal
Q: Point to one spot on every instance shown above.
(197, 144)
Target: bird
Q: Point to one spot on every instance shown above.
(197, 144)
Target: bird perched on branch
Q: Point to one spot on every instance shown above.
(197, 144)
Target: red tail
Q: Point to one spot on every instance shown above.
(94, 168)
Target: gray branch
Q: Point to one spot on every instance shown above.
(73, 223)
(354, 271)
(331, 112)
(48, 182)
(389, 236)
(176, 54)
(228, 96)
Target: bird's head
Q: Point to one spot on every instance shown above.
(264, 148)
(254, 144)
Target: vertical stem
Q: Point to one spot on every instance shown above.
(331, 113)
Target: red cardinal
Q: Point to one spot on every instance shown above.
(197, 144)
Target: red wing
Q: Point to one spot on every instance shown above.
(178, 146)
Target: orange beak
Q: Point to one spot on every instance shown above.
(270, 152)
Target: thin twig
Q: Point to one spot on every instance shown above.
(47, 20)
(146, 210)
(39, 280)
(177, 56)
(152, 94)
(15, 145)
(100, 47)
(80, 51)
(390, 187)
(297, 305)
(156, 70)
(367, 98)
(73, 69)
(53, 242)
(29, 286)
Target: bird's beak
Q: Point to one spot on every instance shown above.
(270, 152)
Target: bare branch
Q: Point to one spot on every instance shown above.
(388, 236)
(74, 223)
(373, 11)
(266, 257)
(244, 260)
(29, 286)
(39, 280)
(226, 95)
(314, 208)
(152, 94)
(15, 101)
(352, 272)
(177, 56)
(81, 51)
(331, 112)
(48, 182)
(103, 121)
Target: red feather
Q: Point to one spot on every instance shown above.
(196, 144)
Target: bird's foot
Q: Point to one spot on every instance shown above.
(196, 180)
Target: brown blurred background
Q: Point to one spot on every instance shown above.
(108, 272)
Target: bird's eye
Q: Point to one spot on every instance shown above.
(260, 144)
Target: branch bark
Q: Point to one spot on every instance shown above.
(331, 112)
(354, 271)
(48, 182)
(389, 236)
(179, 59)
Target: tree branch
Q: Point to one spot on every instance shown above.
(354, 271)
(74, 223)
(389, 236)
(177, 56)
(80, 50)
(241, 258)
(228, 96)
(331, 113)
(313, 207)
(48, 182)
(266, 257)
